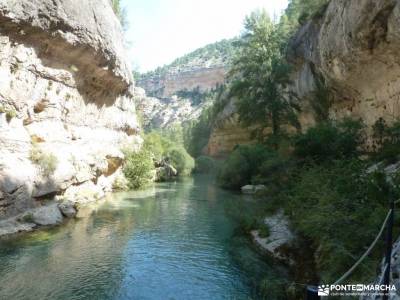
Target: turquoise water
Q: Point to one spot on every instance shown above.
(172, 241)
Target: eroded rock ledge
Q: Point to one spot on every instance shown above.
(66, 103)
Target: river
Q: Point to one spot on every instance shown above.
(171, 241)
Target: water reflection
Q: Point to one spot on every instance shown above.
(172, 241)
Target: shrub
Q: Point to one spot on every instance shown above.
(205, 164)
(47, 162)
(242, 165)
(264, 231)
(330, 141)
(156, 145)
(138, 168)
(387, 139)
(180, 160)
(10, 112)
(328, 203)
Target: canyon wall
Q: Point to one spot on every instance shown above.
(163, 108)
(165, 86)
(66, 102)
(227, 133)
(354, 47)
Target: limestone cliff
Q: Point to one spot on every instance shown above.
(353, 46)
(177, 92)
(168, 85)
(227, 133)
(66, 101)
(164, 113)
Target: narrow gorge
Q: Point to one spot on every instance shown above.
(254, 167)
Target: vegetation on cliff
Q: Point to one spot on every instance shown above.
(160, 152)
(215, 54)
(260, 76)
(324, 178)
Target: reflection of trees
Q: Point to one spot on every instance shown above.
(83, 259)
(93, 257)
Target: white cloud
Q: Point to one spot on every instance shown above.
(162, 30)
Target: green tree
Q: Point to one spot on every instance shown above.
(260, 76)
(299, 11)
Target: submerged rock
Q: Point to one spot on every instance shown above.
(252, 189)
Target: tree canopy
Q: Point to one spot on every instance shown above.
(260, 75)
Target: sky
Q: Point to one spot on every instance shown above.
(162, 30)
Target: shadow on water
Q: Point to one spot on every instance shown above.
(172, 241)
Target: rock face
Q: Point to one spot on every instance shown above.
(66, 100)
(354, 46)
(227, 133)
(177, 92)
(166, 86)
(166, 112)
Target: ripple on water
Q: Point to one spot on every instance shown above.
(173, 241)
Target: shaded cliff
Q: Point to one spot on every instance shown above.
(66, 101)
(353, 47)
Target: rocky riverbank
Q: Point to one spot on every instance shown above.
(66, 108)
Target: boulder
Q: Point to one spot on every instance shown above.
(46, 215)
(279, 235)
(165, 172)
(65, 78)
(68, 209)
(252, 189)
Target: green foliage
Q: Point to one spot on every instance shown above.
(180, 160)
(330, 141)
(260, 75)
(300, 11)
(205, 165)
(27, 218)
(219, 53)
(120, 13)
(10, 112)
(387, 138)
(157, 145)
(195, 95)
(328, 204)
(321, 100)
(242, 165)
(138, 168)
(197, 134)
(264, 231)
(163, 148)
(47, 162)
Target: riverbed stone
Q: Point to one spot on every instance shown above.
(252, 189)
(67, 208)
(12, 226)
(47, 215)
(280, 235)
